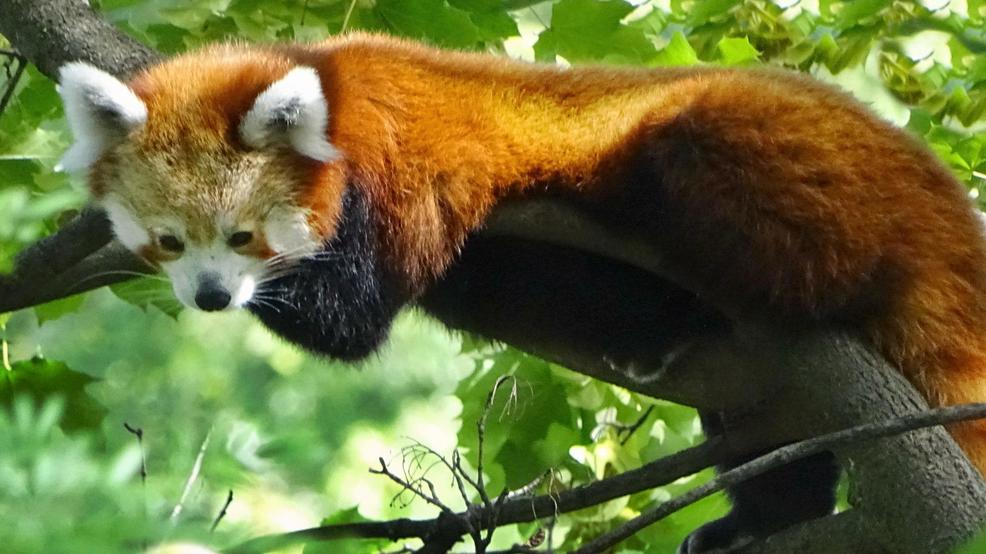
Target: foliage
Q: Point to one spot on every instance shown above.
(293, 439)
(67, 495)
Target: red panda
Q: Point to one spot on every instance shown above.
(325, 186)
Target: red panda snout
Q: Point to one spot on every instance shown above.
(211, 295)
(214, 277)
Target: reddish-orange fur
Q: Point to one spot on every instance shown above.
(781, 192)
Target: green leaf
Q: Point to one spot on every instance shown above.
(677, 52)
(524, 410)
(489, 16)
(858, 11)
(149, 291)
(737, 51)
(583, 30)
(919, 121)
(40, 379)
(432, 20)
(57, 308)
(702, 12)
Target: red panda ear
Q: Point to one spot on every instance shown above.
(100, 110)
(293, 112)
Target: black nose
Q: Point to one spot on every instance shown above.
(211, 296)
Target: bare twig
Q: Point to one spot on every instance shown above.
(629, 430)
(515, 510)
(655, 474)
(192, 477)
(785, 455)
(222, 512)
(139, 433)
(411, 485)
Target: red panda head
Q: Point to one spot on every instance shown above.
(202, 164)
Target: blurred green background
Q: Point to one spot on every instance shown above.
(225, 406)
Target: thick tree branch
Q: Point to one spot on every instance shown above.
(81, 255)
(52, 32)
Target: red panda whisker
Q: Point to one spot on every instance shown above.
(298, 251)
(274, 275)
(270, 301)
(262, 302)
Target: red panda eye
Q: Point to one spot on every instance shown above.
(240, 238)
(171, 243)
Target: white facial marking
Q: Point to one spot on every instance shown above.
(245, 292)
(293, 110)
(234, 273)
(127, 229)
(288, 232)
(100, 110)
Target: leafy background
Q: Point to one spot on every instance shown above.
(293, 436)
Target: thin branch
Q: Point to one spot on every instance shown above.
(5, 355)
(515, 510)
(627, 431)
(783, 456)
(139, 434)
(222, 512)
(192, 477)
(655, 474)
(409, 485)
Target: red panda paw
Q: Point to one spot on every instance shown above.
(721, 535)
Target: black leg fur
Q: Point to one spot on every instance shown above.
(540, 297)
(780, 498)
(536, 296)
(338, 302)
(341, 303)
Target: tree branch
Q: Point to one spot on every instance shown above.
(513, 510)
(655, 474)
(53, 32)
(783, 456)
(81, 256)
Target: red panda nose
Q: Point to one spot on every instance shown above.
(211, 296)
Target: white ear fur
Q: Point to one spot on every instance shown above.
(293, 110)
(287, 231)
(127, 229)
(100, 110)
